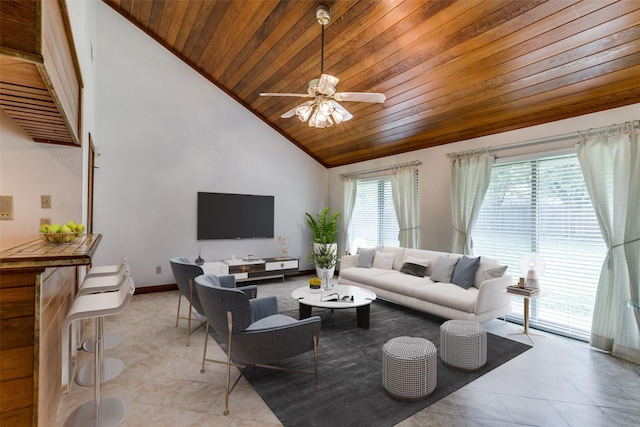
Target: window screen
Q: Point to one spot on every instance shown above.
(543, 206)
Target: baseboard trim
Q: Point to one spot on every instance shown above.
(156, 288)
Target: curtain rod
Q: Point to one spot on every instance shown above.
(545, 140)
(382, 169)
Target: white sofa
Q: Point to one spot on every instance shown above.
(486, 299)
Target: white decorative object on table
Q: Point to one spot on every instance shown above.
(532, 268)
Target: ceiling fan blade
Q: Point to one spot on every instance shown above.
(360, 97)
(297, 95)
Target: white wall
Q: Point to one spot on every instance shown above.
(29, 169)
(164, 133)
(436, 231)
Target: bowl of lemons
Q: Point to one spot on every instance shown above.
(59, 234)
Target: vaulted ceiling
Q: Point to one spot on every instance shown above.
(451, 70)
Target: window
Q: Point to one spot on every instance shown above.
(374, 220)
(543, 206)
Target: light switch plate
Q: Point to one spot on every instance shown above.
(45, 202)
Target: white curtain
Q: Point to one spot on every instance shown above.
(349, 186)
(404, 187)
(610, 163)
(470, 175)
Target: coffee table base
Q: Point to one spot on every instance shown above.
(362, 313)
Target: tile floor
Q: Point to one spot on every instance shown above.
(559, 382)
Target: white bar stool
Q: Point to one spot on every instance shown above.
(106, 270)
(103, 279)
(101, 411)
(110, 367)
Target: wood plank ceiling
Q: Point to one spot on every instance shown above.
(451, 70)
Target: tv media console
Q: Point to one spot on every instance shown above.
(258, 269)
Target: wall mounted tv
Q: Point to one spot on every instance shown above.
(234, 216)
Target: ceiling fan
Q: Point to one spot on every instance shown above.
(323, 110)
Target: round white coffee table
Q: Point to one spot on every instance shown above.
(307, 299)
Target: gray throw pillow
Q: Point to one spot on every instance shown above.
(413, 269)
(443, 269)
(365, 257)
(465, 271)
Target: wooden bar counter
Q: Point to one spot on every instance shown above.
(38, 283)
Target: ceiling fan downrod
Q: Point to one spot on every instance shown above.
(323, 16)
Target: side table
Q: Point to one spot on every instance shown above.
(525, 329)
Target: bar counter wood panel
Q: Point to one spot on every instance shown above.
(38, 282)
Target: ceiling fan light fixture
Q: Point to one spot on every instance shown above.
(319, 120)
(326, 108)
(340, 114)
(304, 111)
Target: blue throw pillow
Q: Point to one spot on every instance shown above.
(465, 272)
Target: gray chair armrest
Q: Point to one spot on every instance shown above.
(227, 281)
(250, 290)
(263, 307)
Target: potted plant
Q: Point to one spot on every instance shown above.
(324, 228)
(325, 258)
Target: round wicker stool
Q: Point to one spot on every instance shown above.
(463, 345)
(409, 368)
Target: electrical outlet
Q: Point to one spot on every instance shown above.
(6, 207)
(45, 221)
(45, 202)
(159, 269)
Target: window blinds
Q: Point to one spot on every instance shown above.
(542, 206)
(374, 220)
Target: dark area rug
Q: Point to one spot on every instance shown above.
(350, 370)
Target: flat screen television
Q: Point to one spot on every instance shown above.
(234, 216)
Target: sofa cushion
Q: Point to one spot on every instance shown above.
(443, 269)
(399, 255)
(489, 272)
(448, 295)
(383, 260)
(399, 283)
(413, 269)
(365, 257)
(465, 272)
(365, 275)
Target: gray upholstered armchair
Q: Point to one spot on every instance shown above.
(184, 271)
(253, 330)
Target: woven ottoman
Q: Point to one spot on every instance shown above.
(409, 368)
(463, 344)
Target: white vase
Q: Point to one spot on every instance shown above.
(330, 271)
(325, 274)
